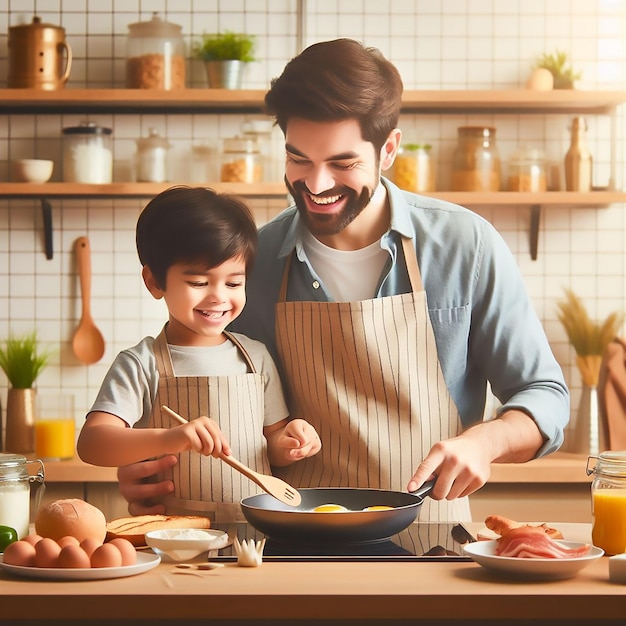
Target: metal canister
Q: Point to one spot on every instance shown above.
(39, 56)
(15, 482)
(608, 493)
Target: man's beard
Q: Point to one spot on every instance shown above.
(327, 223)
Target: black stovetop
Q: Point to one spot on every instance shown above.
(422, 541)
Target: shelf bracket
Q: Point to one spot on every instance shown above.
(535, 218)
(46, 213)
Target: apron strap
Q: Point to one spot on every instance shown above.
(165, 367)
(410, 258)
(164, 364)
(282, 294)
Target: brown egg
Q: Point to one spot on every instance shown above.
(107, 555)
(68, 540)
(47, 552)
(89, 545)
(127, 550)
(32, 539)
(20, 553)
(73, 557)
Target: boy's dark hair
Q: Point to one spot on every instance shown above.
(339, 80)
(194, 225)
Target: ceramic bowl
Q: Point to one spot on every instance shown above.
(185, 544)
(32, 170)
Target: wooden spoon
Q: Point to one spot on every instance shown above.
(270, 484)
(88, 343)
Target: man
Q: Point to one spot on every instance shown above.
(388, 312)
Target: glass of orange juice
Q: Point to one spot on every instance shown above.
(55, 427)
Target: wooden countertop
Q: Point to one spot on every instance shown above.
(363, 593)
(559, 467)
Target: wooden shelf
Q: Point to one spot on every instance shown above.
(504, 199)
(514, 101)
(132, 190)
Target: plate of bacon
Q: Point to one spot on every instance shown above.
(532, 552)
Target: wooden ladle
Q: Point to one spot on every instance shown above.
(88, 342)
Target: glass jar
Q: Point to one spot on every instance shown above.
(15, 491)
(413, 168)
(87, 155)
(204, 163)
(241, 161)
(151, 158)
(260, 131)
(476, 160)
(155, 55)
(527, 171)
(608, 492)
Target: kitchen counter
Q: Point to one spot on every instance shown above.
(309, 593)
(554, 487)
(560, 467)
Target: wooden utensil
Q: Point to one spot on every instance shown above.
(270, 484)
(88, 343)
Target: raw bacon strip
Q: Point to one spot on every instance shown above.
(533, 543)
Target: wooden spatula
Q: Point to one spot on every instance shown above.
(270, 484)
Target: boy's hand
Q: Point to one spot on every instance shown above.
(298, 440)
(202, 435)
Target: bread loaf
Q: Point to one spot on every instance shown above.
(73, 517)
(134, 528)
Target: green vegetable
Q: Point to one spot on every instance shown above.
(7, 535)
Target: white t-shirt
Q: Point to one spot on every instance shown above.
(347, 275)
(130, 386)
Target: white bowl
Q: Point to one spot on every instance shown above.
(32, 170)
(184, 544)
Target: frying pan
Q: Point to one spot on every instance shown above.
(302, 524)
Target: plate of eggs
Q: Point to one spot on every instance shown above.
(335, 514)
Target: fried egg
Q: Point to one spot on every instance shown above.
(329, 508)
(378, 507)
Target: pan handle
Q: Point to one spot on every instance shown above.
(425, 489)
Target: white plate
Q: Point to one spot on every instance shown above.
(484, 553)
(144, 563)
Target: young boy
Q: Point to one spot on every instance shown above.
(196, 248)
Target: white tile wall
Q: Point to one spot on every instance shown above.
(449, 44)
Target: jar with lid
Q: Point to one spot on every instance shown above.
(476, 160)
(527, 171)
(155, 55)
(413, 168)
(260, 131)
(87, 154)
(150, 161)
(15, 484)
(241, 161)
(608, 492)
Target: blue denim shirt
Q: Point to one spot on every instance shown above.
(485, 326)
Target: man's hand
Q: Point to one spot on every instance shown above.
(143, 495)
(462, 464)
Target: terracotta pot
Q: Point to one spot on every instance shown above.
(20, 421)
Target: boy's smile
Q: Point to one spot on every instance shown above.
(201, 302)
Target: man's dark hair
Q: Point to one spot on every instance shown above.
(194, 225)
(339, 80)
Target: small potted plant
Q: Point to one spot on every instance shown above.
(558, 65)
(225, 56)
(22, 363)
